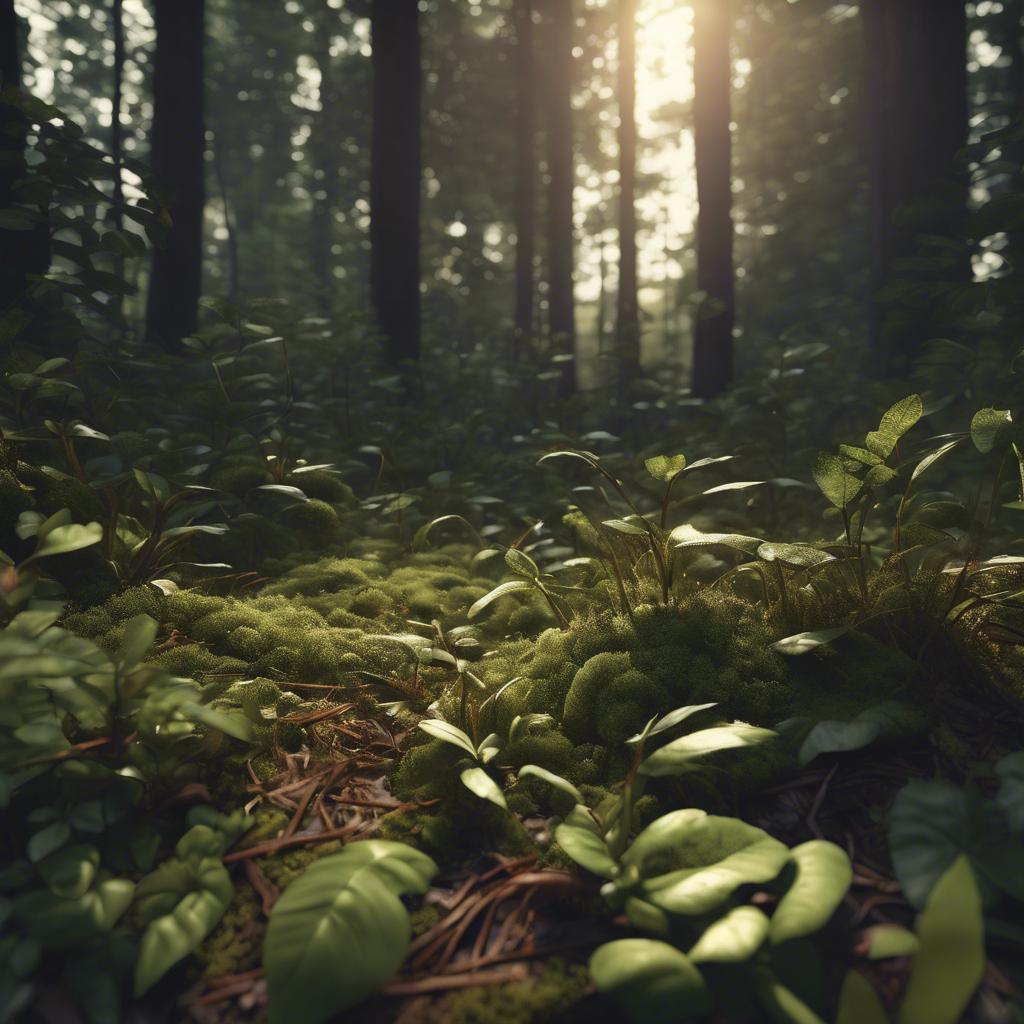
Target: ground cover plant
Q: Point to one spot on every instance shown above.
(373, 650)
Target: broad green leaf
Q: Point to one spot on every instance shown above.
(174, 935)
(687, 536)
(888, 720)
(65, 539)
(522, 564)
(442, 730)
(665, 467)
(823, 876)
(478, 782)
(587, 848)
(510, 587)
(798, 555)
(889, 940)
(896, 421)
(554, 780)
(651, 980)
(951, 959)
(715, 856)
(340, 931)
(734, 938)
(803, 643)
(986, 426)
(70, 871)
(859, 1003)
(839, 486)
(675, 757)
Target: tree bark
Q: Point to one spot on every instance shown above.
(178, 146)
(712, 71)
(395, 179)
(918, 117)
(21, 252)
(627, 322)
(561, 300)
(116, 131)
(526, 172)
(325, 188)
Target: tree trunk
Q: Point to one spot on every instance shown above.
(178, 145)
(21, 252)
(526, 172)
(1013, 149)
(325, 188)
(116, 131)
(627, 322)
(712, 73)
(917, 102)
(395, 179)
(561, 302)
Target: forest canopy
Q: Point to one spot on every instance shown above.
(511, 510)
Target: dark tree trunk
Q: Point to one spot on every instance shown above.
(917, 102)
(712, 73)
(395, 178)
(178, 145)
(561, 303)
(21, 252)
(116, 131)
(526, 171)
(325, 188)
(627, 322)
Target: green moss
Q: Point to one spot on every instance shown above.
(541, 998)
(234, 944)
(324, 486)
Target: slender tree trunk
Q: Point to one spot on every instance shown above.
(21, 252)
(712, 72)
(561, 300)
(917, 100)
(526, 172)
(178, 145)
(116, 131)
(395, 178)
(627, 322)
(325, 188)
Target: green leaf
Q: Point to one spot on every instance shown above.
(632, 529)
(651, 980)
(442, 730)
(48, 840)
(554, 780)
(803, 643)
(890, 940)
(888, 720)
(687, 536)
(676, 757)
(951, 959)
(894, 424)
(70, 871)
(478, 782)
(834, 482)
(232, 723)
(665, 467)
(716, 855)
(734, 938)
(782, 1005)
(340, 931)
(522, 564)
(823, 876)
(510, 587)
(61, 923)
(139, 634)
(986, 426)
(174, 935)
(588, 849)
(65, 539)
(669, 721)
(1010, 772)
(859, 1003)
(798, 555)
(932, 457)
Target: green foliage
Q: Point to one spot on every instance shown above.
(340, 931)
